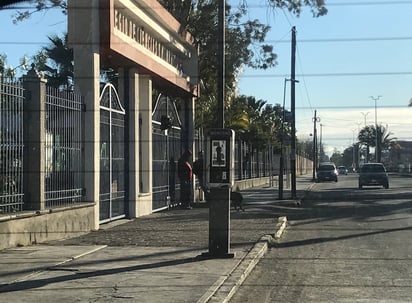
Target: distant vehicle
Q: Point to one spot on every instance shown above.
(373, 174)
(342, 170)
(327, 172)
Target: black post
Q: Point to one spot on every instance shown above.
(219, 204)
(292, 108)
(315, 139)
(282, 130)
(221, 64)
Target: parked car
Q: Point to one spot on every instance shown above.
(373, 174)
(342, 170)
(327, 172)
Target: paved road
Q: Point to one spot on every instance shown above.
(348, 245)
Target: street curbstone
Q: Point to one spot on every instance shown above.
(224, 291)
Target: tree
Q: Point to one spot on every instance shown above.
(9, 71)
(56, 62)
(245, 46)
(24, 13)
(5, 71)
(336, 158)
(305, 148)
(367, 136)
(349, 156)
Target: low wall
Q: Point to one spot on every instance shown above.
(248, 183)
(31, 228)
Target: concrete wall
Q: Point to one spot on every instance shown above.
(31, 228)
(249, 183)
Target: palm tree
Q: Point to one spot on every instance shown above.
(56, 62)
(367, 136)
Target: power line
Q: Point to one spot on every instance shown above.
(267, 6)
(349, 74)
(361, 39)
(353, 107)
(282, 40)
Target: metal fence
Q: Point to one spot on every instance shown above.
(250, 162)
(62, 148)
(63, 165)
(11, 146)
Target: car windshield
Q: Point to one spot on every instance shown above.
(326, 167)
(372, 169)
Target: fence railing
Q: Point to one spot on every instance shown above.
(11, 146)
(41, 148)
(41, 155)
(63, 135)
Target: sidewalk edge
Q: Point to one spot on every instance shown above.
(224, 291)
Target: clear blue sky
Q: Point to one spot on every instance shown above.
(360, 49)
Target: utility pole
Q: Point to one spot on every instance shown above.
(292, 108)
(221, 63)
(281, 165)
(315, 156)
(320, 144)
(219, 207)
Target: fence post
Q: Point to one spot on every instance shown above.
(34, 153)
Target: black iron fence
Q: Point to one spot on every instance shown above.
(11, 146)
(40, 146)
(63, 140)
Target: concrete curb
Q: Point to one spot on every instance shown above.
(224, 289)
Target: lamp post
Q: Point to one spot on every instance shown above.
(367, 146)
(365, 115)
(376, 126)
(281, 160)
(315, 156)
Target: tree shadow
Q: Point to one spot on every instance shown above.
(37, 283)
(338, 238)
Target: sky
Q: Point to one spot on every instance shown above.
(359, 50)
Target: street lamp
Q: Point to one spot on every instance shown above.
(281, 164)
(365, 115)
(376, 125)
(320, 144)
(367, 146)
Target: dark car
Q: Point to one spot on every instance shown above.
(373, 174)
(342, 170)
(327, 172)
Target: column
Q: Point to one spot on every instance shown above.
(83, 24)
(34, 153)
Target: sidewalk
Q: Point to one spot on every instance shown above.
(157, 258)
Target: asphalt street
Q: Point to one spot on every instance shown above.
(349, 245)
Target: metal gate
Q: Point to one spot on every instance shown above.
(167, 148)
(112, 155)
